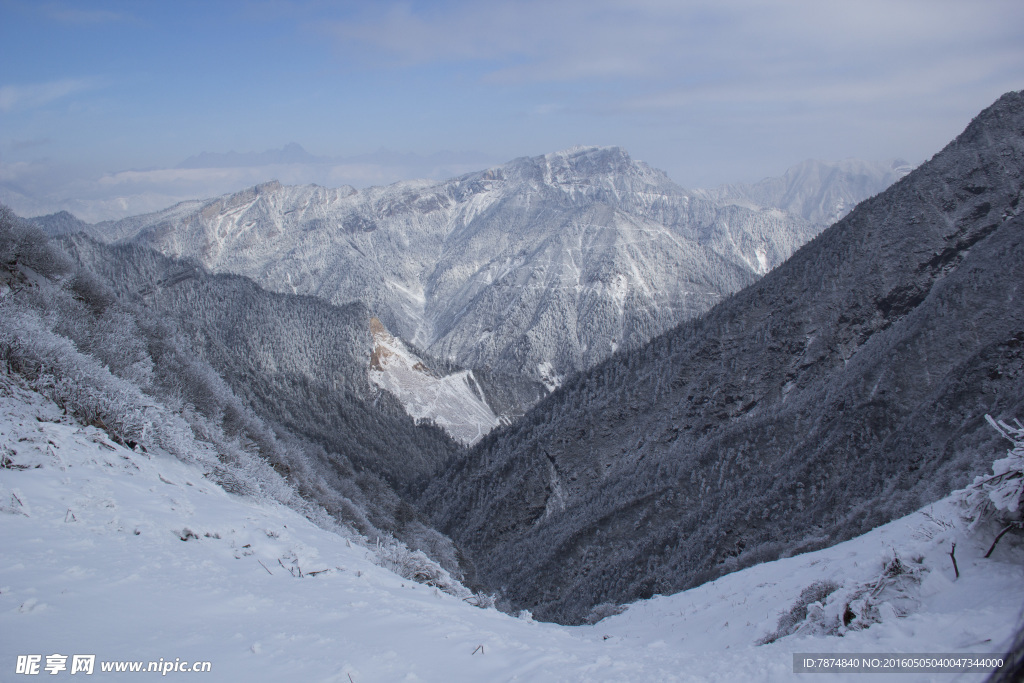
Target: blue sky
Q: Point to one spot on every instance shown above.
(99, 101)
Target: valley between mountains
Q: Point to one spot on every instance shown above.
(525, 273)
(556, 387)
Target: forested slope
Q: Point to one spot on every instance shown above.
(166, 356)
(847, 387)
(300, 362)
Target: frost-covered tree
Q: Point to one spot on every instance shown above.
(268, 392)
(998, 496)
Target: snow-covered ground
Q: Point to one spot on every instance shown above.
(454, 402)
(93, 562)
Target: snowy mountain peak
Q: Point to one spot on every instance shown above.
(292, 153)
(707, 448)
(590, 170)
(818, 191)
(552, 261)
(587, 159)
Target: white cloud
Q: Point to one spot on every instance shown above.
(715, 92)
(751, 41)
(36, 188)
(898, 82)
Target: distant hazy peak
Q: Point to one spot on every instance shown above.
(60, 223)
(819, 191)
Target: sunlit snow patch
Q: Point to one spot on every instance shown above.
(454, 402)
(762, 261)
(548, 376)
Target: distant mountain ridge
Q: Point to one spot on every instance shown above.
(540, 267)
(524, 273)
(843, 389)
(817, 191)
(61, 223)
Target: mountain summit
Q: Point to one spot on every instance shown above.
(845, 388)
(817, 191)
(539, 268)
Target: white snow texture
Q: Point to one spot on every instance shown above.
(94, 562)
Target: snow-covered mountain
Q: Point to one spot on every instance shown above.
(539, 268)
(134, 558)
(820, 192)
(845, 388)
(61, 223)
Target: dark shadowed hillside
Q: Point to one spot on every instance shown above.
(845, 388)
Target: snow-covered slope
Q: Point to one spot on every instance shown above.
(137, 558)
(454, 402)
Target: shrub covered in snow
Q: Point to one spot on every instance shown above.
(998, 496)
(789, 622)
(826, 608)
(392, 554)
(603, 611)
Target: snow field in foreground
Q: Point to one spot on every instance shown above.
(93, 562)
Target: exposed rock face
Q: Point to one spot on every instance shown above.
(454, 401)
(847, 387)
